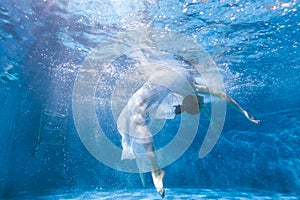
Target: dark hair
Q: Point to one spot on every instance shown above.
(200, 100)
(197, 100)
(177, 110)
(190, 104)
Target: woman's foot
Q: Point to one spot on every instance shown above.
(157, 177)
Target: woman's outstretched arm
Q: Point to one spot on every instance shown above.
(205, 90)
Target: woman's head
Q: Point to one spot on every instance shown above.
(192, 104)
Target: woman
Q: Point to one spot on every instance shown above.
(162, 81)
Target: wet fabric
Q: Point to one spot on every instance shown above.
(167, 85)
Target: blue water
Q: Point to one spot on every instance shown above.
(174, 193)
(255, 45)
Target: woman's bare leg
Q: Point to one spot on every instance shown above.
(141, 136)
(146, 161)
(157, 177)
(157, 173)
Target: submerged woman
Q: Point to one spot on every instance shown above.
(133, 122)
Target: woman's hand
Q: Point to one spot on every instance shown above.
(251, 118)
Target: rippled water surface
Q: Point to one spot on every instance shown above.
(174, 193)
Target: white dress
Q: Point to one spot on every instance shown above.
(167, 84)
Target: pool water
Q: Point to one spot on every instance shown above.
(49, 48)
(174, 193)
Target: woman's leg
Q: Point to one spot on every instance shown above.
(146, 161)
(141, 137)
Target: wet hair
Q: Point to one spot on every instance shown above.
(191, 104)
(200, 100)
(177, 110)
